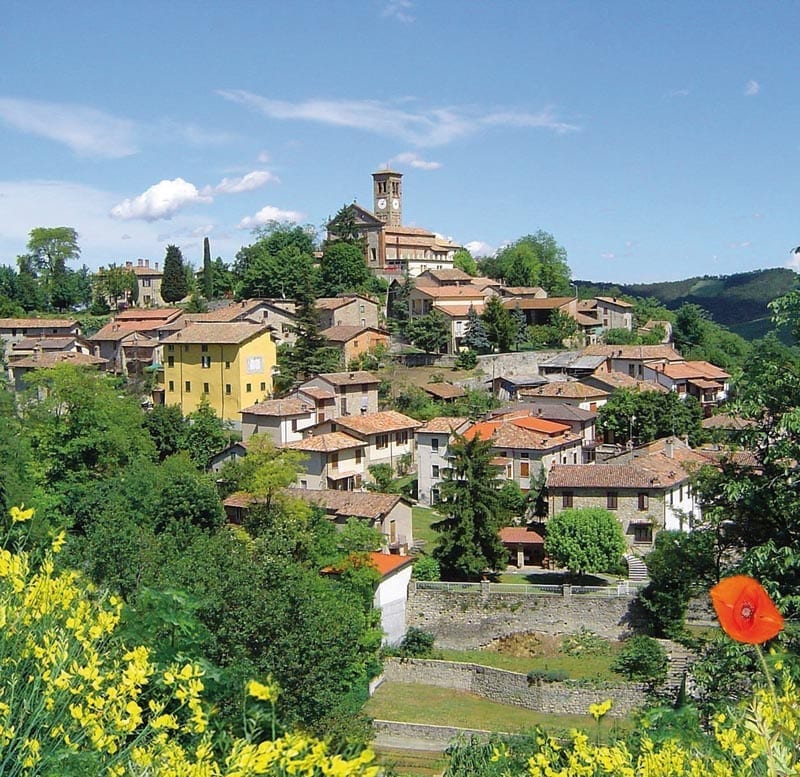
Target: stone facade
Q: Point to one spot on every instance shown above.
(466, 620)
(559, 698)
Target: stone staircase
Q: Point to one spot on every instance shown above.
(637, 570)
(680, 660)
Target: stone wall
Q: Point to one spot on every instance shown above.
(438, 737)
(559, 698)
(467, 620)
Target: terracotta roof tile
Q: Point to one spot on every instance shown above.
(615, 380)
(333, 441)
(442, 424)
(148, 314)
(614, 301)
(347, 378)
(222, 333)
(52, 358)
(568, 389)
(33, 323)
(459, 292)
(279, 408)
(444, 390)
(459, 311)
(532, 303)
(387, 563)
(374, 423)
(359, 504)
(521, 534)
(631, 352)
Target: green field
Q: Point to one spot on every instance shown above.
(443, 706)
(422, 518)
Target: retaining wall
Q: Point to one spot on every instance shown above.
(559, 698)
(467, 620)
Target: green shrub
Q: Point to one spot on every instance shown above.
(584, 643)
(539, 676)
(426, 568)
(641, 659)
(467, 360)
(417, 643)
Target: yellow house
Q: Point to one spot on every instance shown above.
(229, 363)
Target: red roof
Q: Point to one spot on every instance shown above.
(521, 534)
(386, 563)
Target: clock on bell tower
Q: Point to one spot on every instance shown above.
(388, 195)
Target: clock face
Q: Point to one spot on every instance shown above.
(381, 203)
(395, 203)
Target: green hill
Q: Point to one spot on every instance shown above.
(738, 301)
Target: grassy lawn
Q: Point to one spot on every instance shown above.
(438, 706)
(582, 667)
(421, 520)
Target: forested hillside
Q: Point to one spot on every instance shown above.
(738, 301)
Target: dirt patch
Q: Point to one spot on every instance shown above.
(526, 645)
(400, 376)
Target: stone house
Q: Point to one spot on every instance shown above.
(708, 384)
(353, 393)
(581, 422)
(524, 447)
(631, 359)
(347, 310)
(538, 310)
(569, 392)
(391, 594)
(334, 460)
(277, 314)
(433, 441)
(648, 490)
(614, 313)
(388, 435)
(12, 330)
(19, 368)
(353, 341)
(148, 281)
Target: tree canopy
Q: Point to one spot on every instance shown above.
(585, 540)
(533, 260)
(174, 284)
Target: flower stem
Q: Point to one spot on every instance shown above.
(773, 770)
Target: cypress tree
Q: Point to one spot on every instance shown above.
(173, 283)
(208, 272)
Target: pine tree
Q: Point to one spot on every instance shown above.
(173, 283)
(208, 274)
(475, 337)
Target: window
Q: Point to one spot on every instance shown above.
(435, 471)
(358, 455)
(227, 365)
(355, 343)
(188, 386)
(524, 469)
(171, 385)
(145, 281)
(263, 386)
(401, 437)
(680, 494)
(435, 445)
(343, 406)
(333, 460)
(205, 362)
(644, 500)
(303, 484)
(204, 348)
(170, 361)
(205, 388)
(643, 533)
(255, 364)
(611, 500)
(361, 309)
(382, 441)
(294, 424)
(435, 496)
(566, 499)
(170, 347)
(227, 388)
(248, 387)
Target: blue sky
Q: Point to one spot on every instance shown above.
(655, 141)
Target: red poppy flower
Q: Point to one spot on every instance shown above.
(745, 611)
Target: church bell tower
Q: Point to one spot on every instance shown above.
(388, 197)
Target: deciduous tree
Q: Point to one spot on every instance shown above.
(585, 540)
(430, 332)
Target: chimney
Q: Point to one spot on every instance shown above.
(128, 264)
(669, 448)
(147, 263)
(156, 265)
(141, 262)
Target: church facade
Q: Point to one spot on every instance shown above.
(392, 249)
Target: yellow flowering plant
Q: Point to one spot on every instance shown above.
(73, 702)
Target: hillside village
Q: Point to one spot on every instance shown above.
(605, 414)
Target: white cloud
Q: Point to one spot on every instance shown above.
(752, 88)
(421, 127)
(247, 183)
(742, 244)
(399, 10)
(678, 93)
(413, 160)
(479, 248)
(608, 255)
(794, 262)
(167, 130)
(263, 158)
(87, 131)
(267, 214)
(161, 201)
